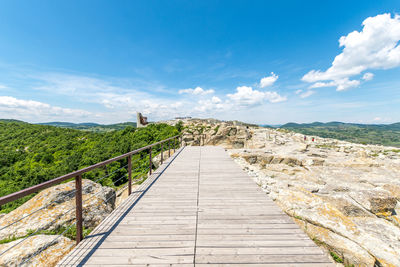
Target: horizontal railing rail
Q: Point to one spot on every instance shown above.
(78, 180)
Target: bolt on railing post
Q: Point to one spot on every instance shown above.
(129, 174)
(78, 202)
(169, 148)
(162, 158)
(150, 162)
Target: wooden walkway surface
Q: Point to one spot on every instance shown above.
(198, 208)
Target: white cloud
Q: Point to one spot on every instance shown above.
(274, 97)
(246, 96)
(268, 81)
(3, 87)
(196, 91)
(307, 94)
(214, 104)
(368, 76)
(375, 47)
(11, 107)
(382, 120)
(216, 100)
(377, 119)
(340, 84)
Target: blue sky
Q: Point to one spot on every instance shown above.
(266, 62)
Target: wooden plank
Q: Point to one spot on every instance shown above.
(286, 259)
(141, 259)
(259, 250)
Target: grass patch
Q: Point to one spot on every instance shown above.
(317, 241)
(336, 257)
(70, 233)
(216, 130)
(282, 130)
(8, 240)
(298, 217)
(326, 146)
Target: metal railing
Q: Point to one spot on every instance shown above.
(78, 183)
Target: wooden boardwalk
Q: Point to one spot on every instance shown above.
(198, 208)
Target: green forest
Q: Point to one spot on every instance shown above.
(31, 154)
(91, 127)
(379, 134)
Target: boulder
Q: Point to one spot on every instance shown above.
(156, 161)
(55, 208)
(38, 250)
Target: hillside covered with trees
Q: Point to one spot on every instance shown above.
(31, 154)
(378, 134)
(91, 127)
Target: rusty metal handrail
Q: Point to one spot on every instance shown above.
(78, 180)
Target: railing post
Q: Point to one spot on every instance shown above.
(174, 144)
(150, 162)
(162, 158)
(169, 148)
(129, 174)
(78, 202)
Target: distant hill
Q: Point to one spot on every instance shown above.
(90, 126)
(11, 120)
(379, 134)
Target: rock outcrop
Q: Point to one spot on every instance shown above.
(156, 161)
(345, 196)
(53, 210)
(38, 250)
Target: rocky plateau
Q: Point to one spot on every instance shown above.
(345, 196)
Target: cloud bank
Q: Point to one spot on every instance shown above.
(11, 107)
(196, 91)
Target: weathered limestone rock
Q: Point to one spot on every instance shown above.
(43, 250)
(122, 194)
(157, 159)
(394, 190)
(56, 208)
(350, 252)
(379, 202)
